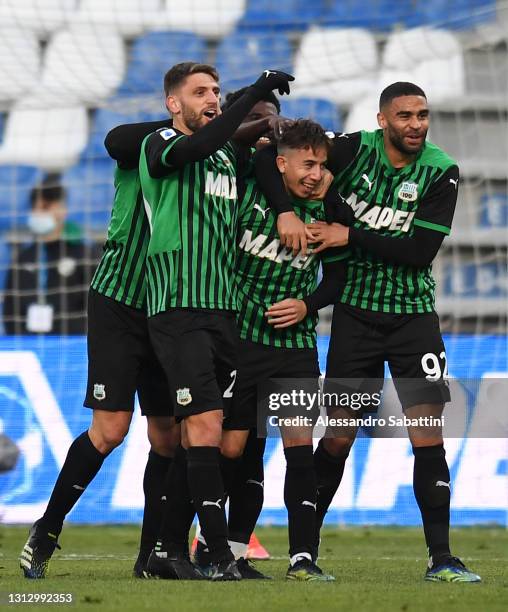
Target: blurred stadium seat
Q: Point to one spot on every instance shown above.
(20, 60)
(51, 138)
(286, 15)
(127, 17)
(336, 63)
(362, 115)
(153, 54)
(42, 16)
(322, 111)
(241, 57)
(84, 63)
(90, 207)
(209, 18)
(106, 119)
(15, 185)
(431, 57)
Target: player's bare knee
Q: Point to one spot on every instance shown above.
(163, 435)
(338, 447)
(108, 429)
(204, 429)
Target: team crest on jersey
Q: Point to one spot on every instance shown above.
(183, 396)
(99, 392)
(408, 192)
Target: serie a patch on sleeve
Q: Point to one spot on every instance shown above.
(167, 133)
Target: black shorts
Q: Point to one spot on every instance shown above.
(256, 364)
(361, 341)
(198, 351)
(121, 360)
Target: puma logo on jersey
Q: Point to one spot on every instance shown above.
(273, 250)
(263, 211)
(308, 503)
(212, 503)
(367, 180)
(454, 182)
(442, 483)
(377, 217)
(221, 186)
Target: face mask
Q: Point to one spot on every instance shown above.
(41, 223)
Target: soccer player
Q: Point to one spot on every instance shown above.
(188, 178)
(402, 190)
(267, 273)
(121, 363)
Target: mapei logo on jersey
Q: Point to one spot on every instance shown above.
(167, 133)
(183, 396)
(408, 192)
(99, 392)
(273, 250)
(222, 185)
(377, 217)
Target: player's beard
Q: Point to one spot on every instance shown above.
(397, 140)
(192, 120)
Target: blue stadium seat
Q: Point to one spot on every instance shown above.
(16, 183)
(457, 14)
(242, 57)
(106, 119)
(2, 123)
(153, 54)
(90, 192)
(285, 15)
(475, 280)
(384, 15)
(322, 111)
(494, 210)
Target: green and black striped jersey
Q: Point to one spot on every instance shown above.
(267, 273)
(392, 202)
(192, 213)
(120, 274)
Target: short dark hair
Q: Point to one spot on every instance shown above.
(50, 189)
(233, 96)
(303, 134)
(400, 88)
(176, 75)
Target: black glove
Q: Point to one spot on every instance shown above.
(273, 79)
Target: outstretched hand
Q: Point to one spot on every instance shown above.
(274, 79)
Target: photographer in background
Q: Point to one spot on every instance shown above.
(48, 279)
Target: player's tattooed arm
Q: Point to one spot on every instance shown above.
(291, 311)
(123, 143)
(291, 228)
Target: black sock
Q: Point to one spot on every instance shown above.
(229, 470)
(156, 471)
(431, 483)
(247, 495)
(178, 510)
(329, 472)
(82, 463)
(300, 498)
(207, 491)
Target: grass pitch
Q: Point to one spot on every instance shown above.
(377, 569)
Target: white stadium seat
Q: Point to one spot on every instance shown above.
(363, 115)
(336, 63)
(20, 60)
(41, 16)
(430, 58)
(127, 17)
(84, 63)
(51, 138)
(210, 18)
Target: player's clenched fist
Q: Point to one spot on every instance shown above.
(274, 79)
